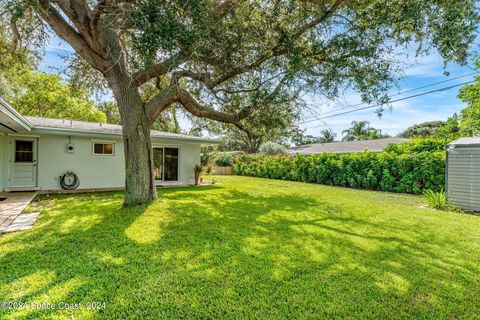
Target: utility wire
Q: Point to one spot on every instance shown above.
(392, 101)
(398, 93)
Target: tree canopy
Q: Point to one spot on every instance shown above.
(424, 129)
(469, 118)
(44, 95)
(326, 135)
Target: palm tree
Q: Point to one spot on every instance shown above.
(327, 135)
(358, 130)
(361, 130)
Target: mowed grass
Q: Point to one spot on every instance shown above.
(245, 248)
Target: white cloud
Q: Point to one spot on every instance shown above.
(426, 66)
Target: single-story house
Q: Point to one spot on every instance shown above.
(346, 146)
(35, 152)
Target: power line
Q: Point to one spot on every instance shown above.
(397, 100)
(396, 94)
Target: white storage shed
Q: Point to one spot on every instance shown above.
(463, 173)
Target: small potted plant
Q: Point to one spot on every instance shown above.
(202, 167)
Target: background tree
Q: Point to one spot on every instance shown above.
(361, 130)
(467, 123)
(469, 118)
(110, 109)
(450, 130)
(272, 148)
(301, 139)
(273, 119)
(425, 129)
(208, 50)
(44, 95)
(326, 135)
(16, 60)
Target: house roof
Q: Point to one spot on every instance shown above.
(60, 125)
(10, 120)
(347, 146)
(466, 141)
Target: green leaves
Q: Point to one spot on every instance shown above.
(406, 173)
(358, 46)
(44, 95)
(469, 118)
(437, 200)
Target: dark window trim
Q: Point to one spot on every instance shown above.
(161, 146)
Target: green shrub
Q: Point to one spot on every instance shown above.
(224, 160)
(408, 173)
(418, 145)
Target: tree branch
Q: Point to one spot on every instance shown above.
(276, 51)
(16, 35)
(70, 35)
(161, 101)
(161, 68)
(78, 13)
(198, 110)
(319, 20)
(223, 9)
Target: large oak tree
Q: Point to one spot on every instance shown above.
(204, 54)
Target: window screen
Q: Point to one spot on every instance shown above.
(23, 151)
(103, 148)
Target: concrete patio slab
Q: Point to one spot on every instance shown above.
(23, 221)
(12, 206)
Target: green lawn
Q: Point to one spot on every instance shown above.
(245, 248)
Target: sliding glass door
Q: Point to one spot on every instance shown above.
(165, 160)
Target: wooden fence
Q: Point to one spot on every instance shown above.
(223, 171)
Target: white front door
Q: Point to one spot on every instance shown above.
(23, 172)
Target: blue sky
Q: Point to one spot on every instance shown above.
(422, 71)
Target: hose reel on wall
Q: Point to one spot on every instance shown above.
(69, 181)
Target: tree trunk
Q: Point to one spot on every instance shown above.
(139, 176)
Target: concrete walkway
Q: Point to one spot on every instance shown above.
(12, 206)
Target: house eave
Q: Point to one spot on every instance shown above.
(11, 113)
(92, 133)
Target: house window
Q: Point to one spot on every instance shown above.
(104, 148)
(23, 151)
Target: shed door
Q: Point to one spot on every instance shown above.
(23, 171)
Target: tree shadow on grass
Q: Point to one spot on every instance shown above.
(220, 252)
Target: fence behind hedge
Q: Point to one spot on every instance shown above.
(409, 173)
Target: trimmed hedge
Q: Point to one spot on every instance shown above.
(407, 173)
(418, 145)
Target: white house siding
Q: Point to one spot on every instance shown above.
(189, 156)
(93, 171)
(104, 171)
